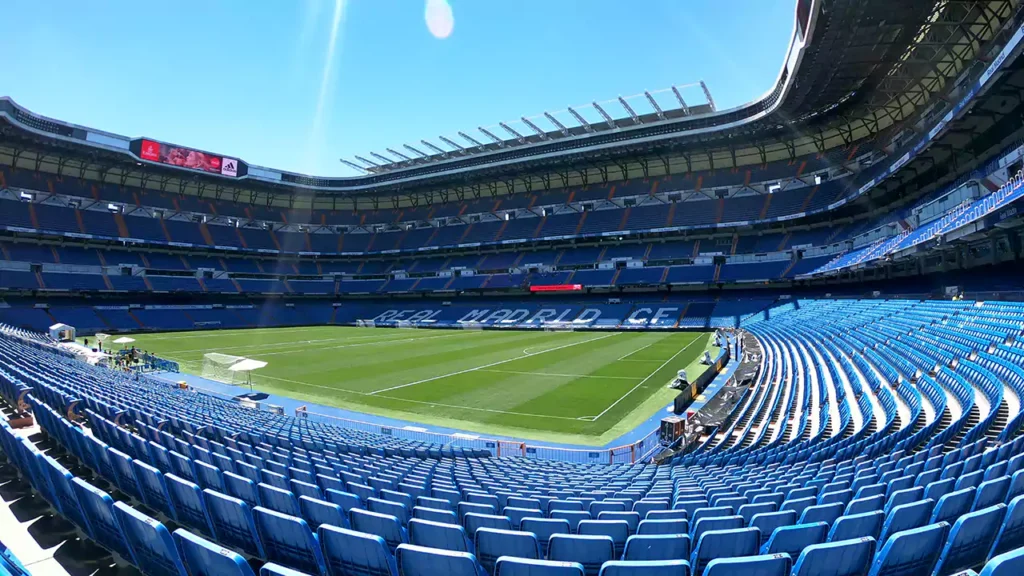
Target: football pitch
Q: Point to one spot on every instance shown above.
(575, 387)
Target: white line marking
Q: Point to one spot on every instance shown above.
(419, 401)
(555, 374)
(635, 351)
(288, 344)
(649, 376)
(359, 345)
(431, 379)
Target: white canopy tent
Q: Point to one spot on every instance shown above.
(62, 332)
(247, 365)
(124, 340)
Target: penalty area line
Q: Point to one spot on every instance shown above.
(649, 376)
(498, 363)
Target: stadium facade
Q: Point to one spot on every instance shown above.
(860, 224)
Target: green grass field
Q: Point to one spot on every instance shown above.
(576, 387)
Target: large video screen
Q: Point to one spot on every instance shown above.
(187, 158)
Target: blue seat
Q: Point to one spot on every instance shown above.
(911, 552)
(768, 522)
(680, 526)
(441, 536)
(208, 477)
(288, 540)
(939, 488)
(98, 509)
(970, 540)
(906, 517)
(543, 528)
(182, 467)
(719, 523)
(657, 547)
(64, 491)
(867, 504)
(716, 512)
(506, 566)
(271, 569)
(766, 565)
(491, 544)
(953, 505)
(573, 518)
(868, 524)
(189, 508)
(632, 519)
(204, 558)
(617, 530)
(300, 488)
(564, 505)
(316, 512)
(279, 500)
(644, 568)
(843, 558)
(827, 513)
(383, 525)
(346, 500)
(422, 561)
(393, 508)
(748, 511)
(435, 515)
(905, 496)
(232, 523)
(350, 553)
(471, 522)
(1011, 533)
(723, 544)
(590, 551)
(792, 539)
(242, 488)
(516, 515)
(991, 492)
(1006, 564)
(150, 544)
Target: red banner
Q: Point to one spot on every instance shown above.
(557, 288)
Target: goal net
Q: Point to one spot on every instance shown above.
(217, 367)
(366, 323)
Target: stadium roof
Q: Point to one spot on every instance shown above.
(856, 70)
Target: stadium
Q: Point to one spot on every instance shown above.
(647, 338)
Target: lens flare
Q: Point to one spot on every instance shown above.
(439, 18)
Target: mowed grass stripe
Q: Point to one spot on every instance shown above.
(532, 392)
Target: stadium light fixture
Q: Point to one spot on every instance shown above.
(470, 138)
(583, 121)
(817, 179)
(385, 159)
(561, 127)
(773, 188)
(497, 140)
(451, 143)
(440, 151)
(367, 162)
(654, 104)
(629, 109)
(27, 196)
(113, 207)
(353, 165)
(707, 94)
(399, 154)
(414, 151)
(607, 118)
(539, 132)
(682, 103)
(509, 129)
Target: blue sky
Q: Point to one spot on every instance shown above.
(296, 84)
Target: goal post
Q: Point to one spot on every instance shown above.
(218, 367)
